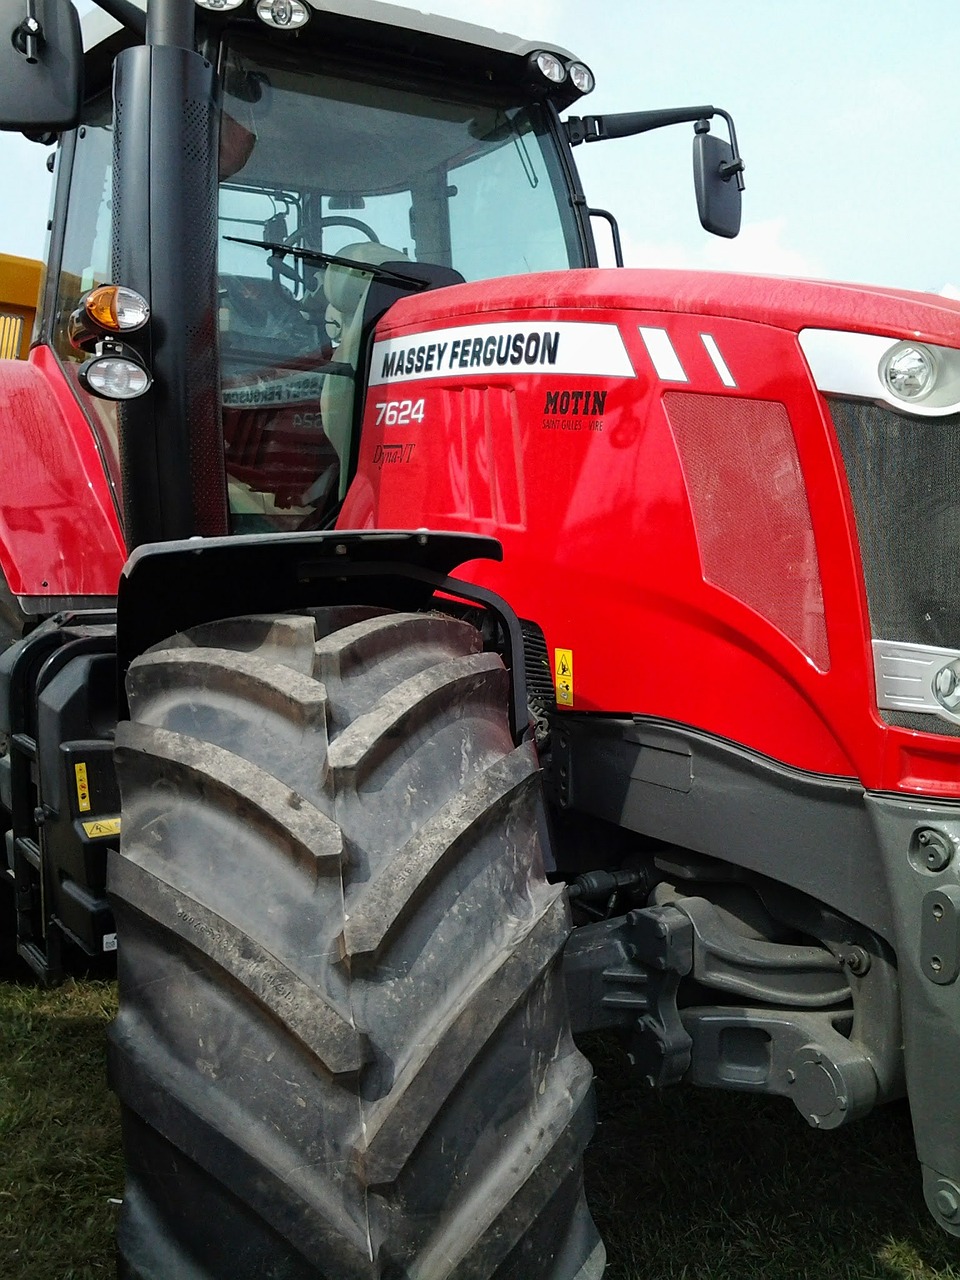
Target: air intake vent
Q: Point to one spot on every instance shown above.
(539, 673)
(750, 509)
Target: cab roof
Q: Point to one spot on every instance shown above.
(369, 28)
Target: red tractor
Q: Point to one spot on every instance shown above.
(674, 753)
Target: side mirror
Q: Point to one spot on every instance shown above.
(41, 66)
(717, 177)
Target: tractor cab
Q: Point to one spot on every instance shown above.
(322, 167)
(355, 154)
(356, 162)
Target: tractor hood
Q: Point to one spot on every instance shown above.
(789, 304)
(662, 456)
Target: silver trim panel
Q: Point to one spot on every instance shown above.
(849, 364)
(905, 674)
(47, 605)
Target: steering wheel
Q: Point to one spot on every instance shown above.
(337, 220)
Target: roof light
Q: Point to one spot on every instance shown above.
(287, 15)
(549, 66)
(116, 308)
(581, 77)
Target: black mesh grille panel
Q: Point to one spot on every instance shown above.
(904, 478)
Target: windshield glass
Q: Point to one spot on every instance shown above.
(377, 173)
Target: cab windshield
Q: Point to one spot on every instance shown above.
(376, 173)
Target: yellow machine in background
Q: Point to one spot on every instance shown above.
(19, 290)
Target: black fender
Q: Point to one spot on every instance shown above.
(171, 586)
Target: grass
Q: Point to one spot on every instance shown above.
(702, 1185)
(60, 1164)
(690, 1185)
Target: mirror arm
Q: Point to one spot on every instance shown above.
(627, 123)
(734, 167)
(28, 37)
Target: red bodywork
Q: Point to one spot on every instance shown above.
(60, 533)
(632, 510)
(630, 504)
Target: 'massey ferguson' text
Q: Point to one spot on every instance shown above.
(502, 349)
(473, 353)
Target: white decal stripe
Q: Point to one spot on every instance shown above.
(661, 352)
(503, 349)
(713, 351)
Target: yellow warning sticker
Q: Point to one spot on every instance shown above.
(102, 827)
(83, 787)
(563, 671)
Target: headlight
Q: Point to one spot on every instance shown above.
(912, 377)
(946, 687)
(910, 371)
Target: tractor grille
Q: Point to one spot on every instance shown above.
(904, 478)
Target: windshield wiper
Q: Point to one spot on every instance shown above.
(313, 255)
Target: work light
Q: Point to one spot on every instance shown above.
(285, 14)
(548, 65)
(581, 77)
(114, 373)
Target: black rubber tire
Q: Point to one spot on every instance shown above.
(343, 1048)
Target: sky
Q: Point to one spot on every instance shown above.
(844, 110)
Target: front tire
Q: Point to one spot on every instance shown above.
(343, 1049)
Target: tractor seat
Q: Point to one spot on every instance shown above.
(346, 292)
